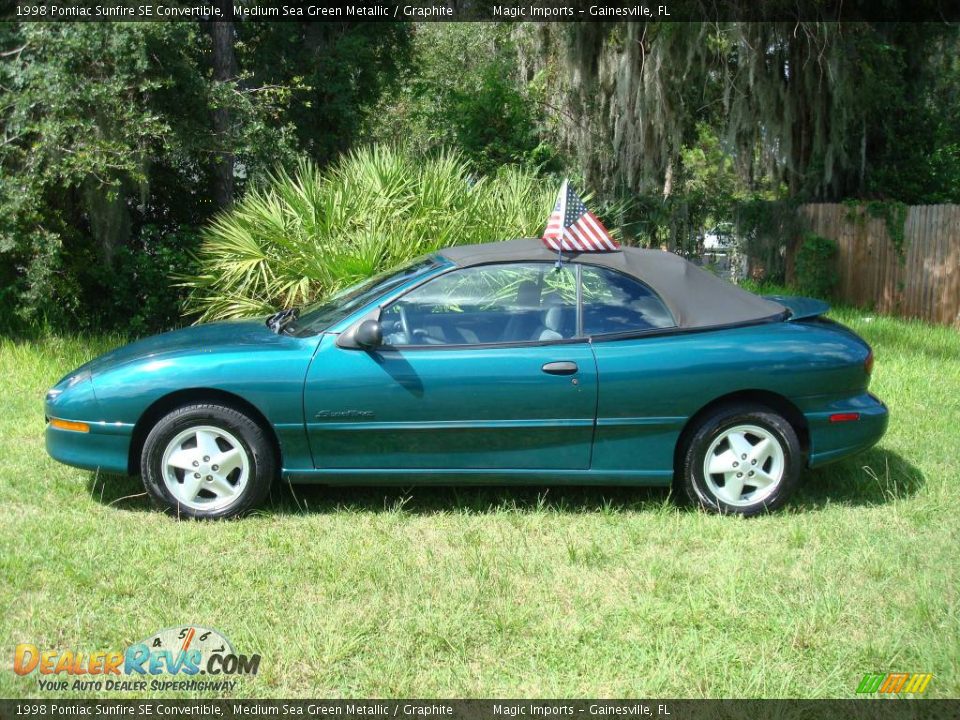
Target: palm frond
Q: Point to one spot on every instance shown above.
(308, 232)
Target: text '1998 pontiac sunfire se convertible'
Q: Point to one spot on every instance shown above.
(485, 364)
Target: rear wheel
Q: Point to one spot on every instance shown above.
(744, 460)
(208, 461)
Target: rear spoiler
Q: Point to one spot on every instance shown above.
(800, 308)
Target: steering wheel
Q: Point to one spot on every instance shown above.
(405, 324)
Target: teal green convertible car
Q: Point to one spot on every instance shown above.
(484, 364)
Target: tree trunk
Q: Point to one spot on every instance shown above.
(109, 217)
(668, 180)
(224, 71)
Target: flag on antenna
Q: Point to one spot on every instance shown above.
(573, 228)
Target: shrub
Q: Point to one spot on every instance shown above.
(144, 297)
(463, 88)
(306, 234)
(814, 272)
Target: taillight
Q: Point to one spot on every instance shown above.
(868, 363)
(844, 417)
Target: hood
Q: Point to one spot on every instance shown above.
(198, 339)
(801, 308)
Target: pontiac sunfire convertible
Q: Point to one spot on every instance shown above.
(485, 364)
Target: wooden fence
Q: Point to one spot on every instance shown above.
(922, 282)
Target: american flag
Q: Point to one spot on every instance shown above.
(573, 228)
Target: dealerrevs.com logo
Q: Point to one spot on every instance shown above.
(172, 659)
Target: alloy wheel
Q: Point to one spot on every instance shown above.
(744, 465)
(205, 468)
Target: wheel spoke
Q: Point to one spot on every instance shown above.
(739, 444)
(220, 487)
(761, 451)
(191, 486)
(183, 459)
(228, 461)
(207, 443)
(761, 479)
(723, 463)
(732, 489)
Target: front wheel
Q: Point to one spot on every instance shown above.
(743, 460)
(207, 461)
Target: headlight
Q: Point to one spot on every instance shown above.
(78, 378)
(67, 383)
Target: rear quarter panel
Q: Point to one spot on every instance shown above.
(649, 387)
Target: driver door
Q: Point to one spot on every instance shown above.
(480, 368)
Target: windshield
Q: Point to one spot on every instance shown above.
(318, 317)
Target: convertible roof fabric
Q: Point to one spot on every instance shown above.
(697, 298)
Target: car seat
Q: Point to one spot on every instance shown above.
(552, 324)
(521, 323)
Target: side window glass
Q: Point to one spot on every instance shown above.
(616, 303)
(507, 303)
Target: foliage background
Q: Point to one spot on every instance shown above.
(122, 142)
(309, 233)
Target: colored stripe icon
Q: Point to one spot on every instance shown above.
(894, 683)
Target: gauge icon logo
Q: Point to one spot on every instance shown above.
(190, 637)
(190, 649)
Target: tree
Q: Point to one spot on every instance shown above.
(224, 71)
(105, 182)
(73, 152)
(335, 72)
(463, 88)
(814, 106)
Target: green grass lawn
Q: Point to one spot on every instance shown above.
(511, 592)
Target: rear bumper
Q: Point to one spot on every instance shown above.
(106, 447)
(831, 441)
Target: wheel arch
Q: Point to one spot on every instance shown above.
(179, 398)
(776, 402)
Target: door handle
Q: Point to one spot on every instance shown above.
(560, 368)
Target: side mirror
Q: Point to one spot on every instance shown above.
(369, 335)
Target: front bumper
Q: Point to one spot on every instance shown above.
(106, 447)
(832, 441)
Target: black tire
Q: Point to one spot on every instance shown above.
(700, 489)
(261, 461)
